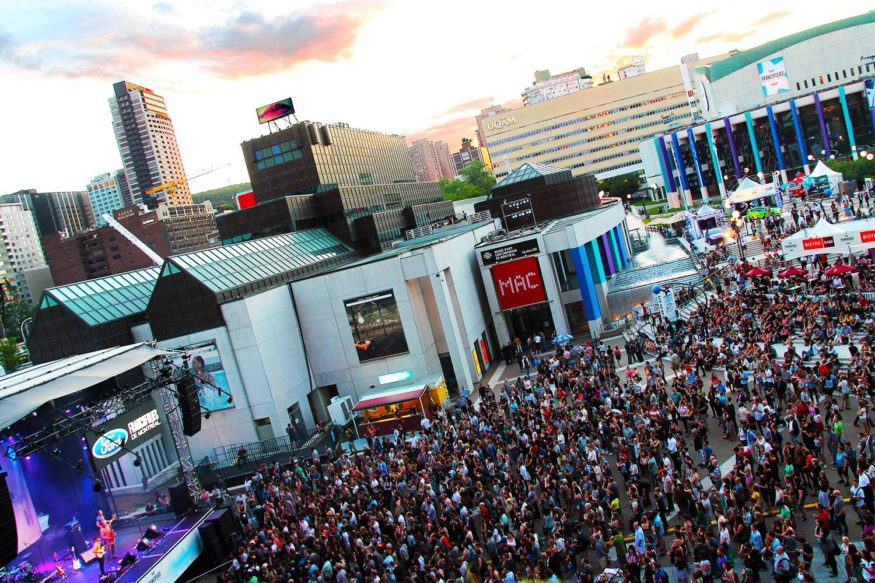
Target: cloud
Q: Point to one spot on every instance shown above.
(248, 44)
(686, 26)
(640, 34)
(770, 18)
(451, 131)
(473, 105)
(724, 37)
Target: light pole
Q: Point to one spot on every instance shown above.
(735, 232)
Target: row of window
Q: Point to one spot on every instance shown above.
(279, 159)
(829, 76)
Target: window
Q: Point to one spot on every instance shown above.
(828, 78)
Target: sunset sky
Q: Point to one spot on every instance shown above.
(411, 67)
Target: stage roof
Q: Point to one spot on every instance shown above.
(25, 391)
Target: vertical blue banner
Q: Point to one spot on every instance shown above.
(776, 139)
(587, 286)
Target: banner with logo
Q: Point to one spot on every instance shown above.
(518, 283)
(773, 76)
(130, 429)
(209, 375)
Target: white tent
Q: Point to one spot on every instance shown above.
(823, 170)
(749, 190)
(25, 391)
(822, 238)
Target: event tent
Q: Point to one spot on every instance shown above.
(749, 190)
(823, 170)
(824, 237)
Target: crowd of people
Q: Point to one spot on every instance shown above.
(602, 464)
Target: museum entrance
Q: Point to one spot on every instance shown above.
(529, 320)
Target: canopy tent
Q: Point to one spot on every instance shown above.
(821, 238)
(25, 391)
(823, 170)
(749, 190)
(390, 397)
(702, 219)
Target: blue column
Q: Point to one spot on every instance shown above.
(800, 139)
(715, 161)
(851, 140)
(691, 140)
(728, 127)
(621, 245)
(618, 262)
(753, 142)
(666, 164)
(824, 135)
(776, 139)
(661, 161)
(595, 260)
(587, 285)
(682, 172)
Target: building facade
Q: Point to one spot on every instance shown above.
(147, 144)
(55, 212)
(596, 131)
(633, 69)
(105, 196)
(547, 86)
(775, 108)
(190, 227)
(431, 160)
(20, 251)
(470, 153)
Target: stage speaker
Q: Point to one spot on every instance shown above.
(180, 501)
(212, 543)
(189, 408)
(152, 532)
(8, 532)
(225, 527)
(129, 559)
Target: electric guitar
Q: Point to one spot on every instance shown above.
(106, 531)
(60, 571)
(77, 564)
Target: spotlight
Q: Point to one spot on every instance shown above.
(137, 462)
(97, 487)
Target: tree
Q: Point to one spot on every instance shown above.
(13, 310)
(858, 169)
(621, 185)
(9, 356)
(476, 181)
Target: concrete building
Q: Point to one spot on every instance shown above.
(431, 160)
(121, 180)
(596, 131)
(633, 69)
(55, 212)
(105, 196)
(20, 251)
(774, 108)
(547, 86)
(470, 153)
(103, 251)
(147, 145)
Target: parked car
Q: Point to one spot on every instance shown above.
(761, 212)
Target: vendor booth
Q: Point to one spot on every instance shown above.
(827, 238)
(749, 190)
(404, 407)
(834, 178)
(703, 219)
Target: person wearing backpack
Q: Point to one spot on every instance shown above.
(782, 570)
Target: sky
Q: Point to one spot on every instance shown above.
(411, 67)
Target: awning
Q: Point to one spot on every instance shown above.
(25, 391)
(391, 397)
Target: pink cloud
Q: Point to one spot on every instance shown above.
(451, 131)
(685, 26)
(640, 34)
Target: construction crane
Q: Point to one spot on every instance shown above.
(170, 186)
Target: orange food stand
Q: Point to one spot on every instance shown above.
(402, 407)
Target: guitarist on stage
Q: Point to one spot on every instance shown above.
(106, 532)
(99, 550)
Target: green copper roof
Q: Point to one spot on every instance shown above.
(102, 300)
(241, 269)
(742, 59)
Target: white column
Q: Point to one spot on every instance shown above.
(456, 343)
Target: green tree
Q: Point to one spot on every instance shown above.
(621, 185)
(9, 357)
(475, 181)
(858, 169)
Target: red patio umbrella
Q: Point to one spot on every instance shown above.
(758, 272)
(838, 270)
(792, 272)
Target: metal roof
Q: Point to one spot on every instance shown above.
(528, 171)
(233, 271)
(106, 299)
(726, 67)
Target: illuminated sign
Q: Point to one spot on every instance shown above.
(283, 108)
(510, 252)
(501, 123)
(109, 444)
(518, 283)
(129, 429)
(394, 377)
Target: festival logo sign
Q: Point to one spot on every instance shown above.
(109, 444)
(773, 76)
(518, 283)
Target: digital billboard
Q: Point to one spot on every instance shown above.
(773, 76)
(518, 283)
(276, 110)
(209, 375)
(129, 429)
(376, 326)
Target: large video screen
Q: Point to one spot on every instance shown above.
(121, 434)
(275, 110)
(376, 326)
(209, 375)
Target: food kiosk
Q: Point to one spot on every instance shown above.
(384, 410)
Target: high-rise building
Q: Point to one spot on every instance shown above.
(55, 212)
(167, 230)
(105, 196)
(122, 180)
(20, 250)
(596, 131)
(359, 184)
(470, 153)
(431, 160)
(547, 86)
(147, 144)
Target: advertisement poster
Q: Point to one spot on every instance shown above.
(870, 92)
(518, 283)
(275, 110)
(773, 76)
(376, 326)
(130, 429)
(209, 375)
